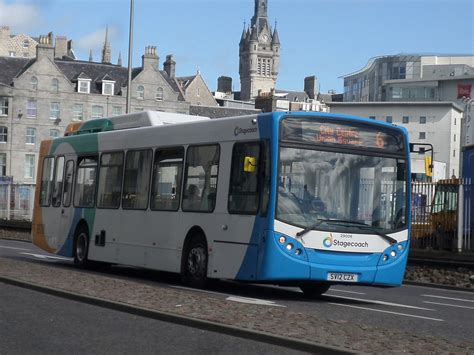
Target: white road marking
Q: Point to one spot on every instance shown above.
(203, 291)
(253, 301)
(345, 291)
(449, 298)
(382, 311)
(449, 305)
(380, 302)
(42, 256)
(14, 248)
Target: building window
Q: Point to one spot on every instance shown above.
(116, 110)
(3, 164)
(31, 108)
(455, 138)
(26, 44)
(422, 119)
(422, 135)
(55, 86)
(11, 54)
(34, 83)
(406, 119)
(54, 111)
(30, 135)
(454, 154)
(159, 94)
(3, 106)
(29, 166)
(3, 134)
(198, 92)
(84, 86)
(53, 133)
(78, 112)
(140, 92)
(372, 117)
(97, 111)
(389, 119)
(107, 88)
(138, 109)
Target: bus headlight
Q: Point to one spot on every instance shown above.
(282, 240)
(393, 253)
(289, 246)
(400, 247)
(385, 257)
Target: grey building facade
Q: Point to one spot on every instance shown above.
(39, 97)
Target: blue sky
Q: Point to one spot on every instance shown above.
(326, 38)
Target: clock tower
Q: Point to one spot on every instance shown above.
(259, 51)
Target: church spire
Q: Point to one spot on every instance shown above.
(119, 61)
(260, 17)
(106, 52)
(90, 56)
(276, 38)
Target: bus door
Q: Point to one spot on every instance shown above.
(236, 250)
(65, 211)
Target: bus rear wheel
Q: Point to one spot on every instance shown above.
(195, 262)
(314, 289)
(81, 247)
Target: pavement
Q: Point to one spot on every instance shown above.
(277, 322)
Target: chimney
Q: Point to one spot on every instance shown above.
(170, 66)
(45, 47)
(4, 33)
(310, 88)
(61, 47)
(150, 59)
(224, 84)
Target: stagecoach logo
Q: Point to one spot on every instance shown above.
(244, 131)
(328, 241)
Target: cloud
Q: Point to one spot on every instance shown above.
(19, 16)
(95, 40)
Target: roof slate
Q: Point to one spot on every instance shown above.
(10, 67)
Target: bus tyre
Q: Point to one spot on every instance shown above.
(195, 262)
(314, 289)
(81, 246)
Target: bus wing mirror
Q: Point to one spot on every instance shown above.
(250, 164)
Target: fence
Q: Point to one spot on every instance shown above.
(442, 215)
(16, 201)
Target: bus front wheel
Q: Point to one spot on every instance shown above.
(314, 289)
(195, 262)
(81, 246)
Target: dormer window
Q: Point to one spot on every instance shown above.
(26, 44)
(140, 92)
(84, 86)
(108, 87)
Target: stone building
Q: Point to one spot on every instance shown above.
(259, 51)
(40, 96)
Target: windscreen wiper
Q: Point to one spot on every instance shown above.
(359, 224)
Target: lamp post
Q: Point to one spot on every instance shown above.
(130, 49)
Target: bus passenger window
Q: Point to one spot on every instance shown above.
(244, 181)
(68, 179)
(202, 167)
(110, 180)
(58, 182)
(84, 193)
(46, 181)
(167, 175)
(137, 180)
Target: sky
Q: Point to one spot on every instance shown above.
(326, 38)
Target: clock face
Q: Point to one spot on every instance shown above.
(264, 38)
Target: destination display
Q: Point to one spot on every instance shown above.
(341, 133)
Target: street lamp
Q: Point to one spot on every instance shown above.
(130, 49)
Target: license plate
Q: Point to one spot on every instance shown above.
(342, 277)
